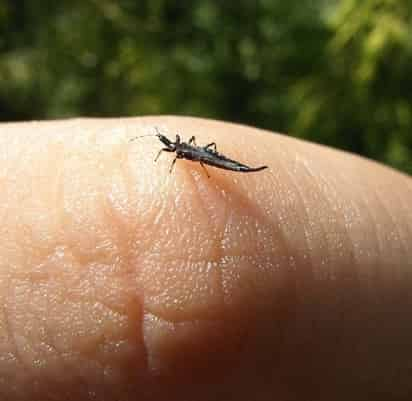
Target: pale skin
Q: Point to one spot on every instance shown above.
(120, 281)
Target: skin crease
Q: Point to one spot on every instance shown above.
(120, 281)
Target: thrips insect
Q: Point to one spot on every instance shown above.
(203, 154)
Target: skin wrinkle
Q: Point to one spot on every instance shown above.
(330, 188)
(195, 190)
(34, 202)
(50, 340)
(338, 175)
(131, 226)
(16, 352)
(292, 181)
(387, 209)
(364, 208)
(177, 311)
(81, 356)
(307, 231)
(309, 275)
(125, 174)
(374, 224)
(99, 339)
(354, 266)
(218, 234)
(89, 232)
(321, 182)
(48, 331)
(278, 185)
(405, 212)
(34, 344)
(174, 320)
(65, 220)
(127, 257)
(159, 210)
(373, 219)
(9, 328)
(275, 228)
(56, 193)
(59, 201)
(120, 235)
(163, 316)
(306, 214)
(84, 264)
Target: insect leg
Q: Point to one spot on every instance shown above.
(204, 168)
(173, 164)
(162, 150)
(192, 140)
(211, 145)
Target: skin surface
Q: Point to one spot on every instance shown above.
(120, 281)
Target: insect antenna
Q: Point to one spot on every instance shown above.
(143, 136)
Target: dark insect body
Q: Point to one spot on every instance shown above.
(203, 154)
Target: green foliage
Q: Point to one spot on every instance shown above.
(361, 98)
(333, 72)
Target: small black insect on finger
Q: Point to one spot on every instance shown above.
(203, 154)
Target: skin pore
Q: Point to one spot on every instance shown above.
(120, 281)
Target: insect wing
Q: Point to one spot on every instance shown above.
(217, 160)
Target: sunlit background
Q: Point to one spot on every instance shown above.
(335, 72)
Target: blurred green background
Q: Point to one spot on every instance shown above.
(335, 72)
